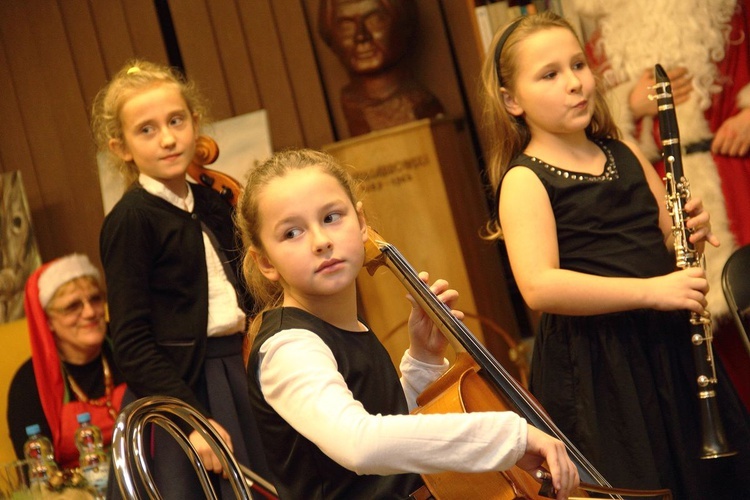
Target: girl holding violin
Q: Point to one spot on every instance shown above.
(170, 255)
(334, 416)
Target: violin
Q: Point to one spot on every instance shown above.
(476, 381)
(206, 152)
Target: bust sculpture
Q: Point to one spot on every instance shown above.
(371, 39)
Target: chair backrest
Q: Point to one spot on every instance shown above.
(735, 281)
(129, 450)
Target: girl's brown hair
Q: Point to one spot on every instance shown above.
(508, 135)
(134, 77)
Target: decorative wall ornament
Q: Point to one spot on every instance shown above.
(19, 254)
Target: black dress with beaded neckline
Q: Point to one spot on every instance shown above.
(608, 173)
(607, 225)
(621, 386)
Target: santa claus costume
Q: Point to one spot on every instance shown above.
(709, 38)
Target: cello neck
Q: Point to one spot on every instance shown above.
(461, 339)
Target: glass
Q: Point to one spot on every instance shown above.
(14, 481)
(75, 308)
(15, 485)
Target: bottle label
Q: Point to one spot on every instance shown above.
(39, 471)
(97, 475)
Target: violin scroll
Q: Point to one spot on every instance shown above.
(206, 153)
(206, 150)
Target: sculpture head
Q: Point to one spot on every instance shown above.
(367, 36)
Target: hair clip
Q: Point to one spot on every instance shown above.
(134, 69)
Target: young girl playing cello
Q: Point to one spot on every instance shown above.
(588, 236)
(333, 416)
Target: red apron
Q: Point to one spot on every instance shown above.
(66, 453)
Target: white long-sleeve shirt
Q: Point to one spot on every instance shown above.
(299, 379)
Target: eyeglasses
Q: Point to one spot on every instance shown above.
(76, 308)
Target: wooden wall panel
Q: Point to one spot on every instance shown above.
(200, 54)
(302, 66)
(115, 45)
(65, 111)
(469, 52)
(231, 43)
(433, 60)
(83, 41)
(57, 56)
(54, 121)
(15, 152)
(277, 98)
(144, 31)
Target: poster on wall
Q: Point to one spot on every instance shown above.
(19, 253)
(243, 141)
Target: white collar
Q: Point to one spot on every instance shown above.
(157, 188)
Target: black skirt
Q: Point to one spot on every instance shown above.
(622, 387)
(227, 399)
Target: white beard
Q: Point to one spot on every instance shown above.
(636, 35)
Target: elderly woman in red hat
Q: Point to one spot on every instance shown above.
(71, 369)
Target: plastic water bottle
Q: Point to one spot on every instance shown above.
(93, 460)
(40, 456)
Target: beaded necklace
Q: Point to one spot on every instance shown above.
(108, 388)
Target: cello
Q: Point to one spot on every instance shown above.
(206, 153)
(476, 381)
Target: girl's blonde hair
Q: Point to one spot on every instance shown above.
(508, 135)
(135, 77)
(267, 293)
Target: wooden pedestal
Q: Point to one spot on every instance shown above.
(422, 194)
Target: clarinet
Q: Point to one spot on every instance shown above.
(714, 442)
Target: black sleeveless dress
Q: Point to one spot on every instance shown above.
(622, 386)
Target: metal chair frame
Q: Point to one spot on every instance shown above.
(129, 450)
(738, 262)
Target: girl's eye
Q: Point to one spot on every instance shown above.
(177, 120)
(332, 218)
(292, 233)
(549, 76)
(148, 129)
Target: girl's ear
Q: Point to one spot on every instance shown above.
(362, 222)
(510, 103)
(264, 265)
(119, 148)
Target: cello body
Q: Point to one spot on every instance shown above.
(477, 382)
(460, 390)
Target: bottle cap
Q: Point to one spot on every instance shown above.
(84, 417)
(33, 429)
